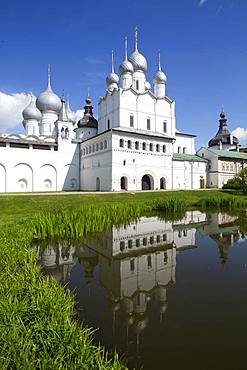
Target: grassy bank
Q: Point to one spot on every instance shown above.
(38, 329)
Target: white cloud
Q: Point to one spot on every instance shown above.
(241, 134)
(11, 107)
(202, 2)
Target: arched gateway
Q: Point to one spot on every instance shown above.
(147, 182)
(124, 183)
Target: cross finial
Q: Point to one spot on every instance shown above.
(112, 61)
(136, 39)
(126, 48)
(222, 108)
(49, 76)
(159, 66)
(88, 91)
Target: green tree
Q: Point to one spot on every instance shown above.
(243, 178)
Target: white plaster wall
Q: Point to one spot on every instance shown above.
(186, 142)
(34, 169)
(186, 175)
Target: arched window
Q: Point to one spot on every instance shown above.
(121, 143)
(93, 148)
(66, 133)
(101, 145)
(144, 146)
(97, 147)
(137, 85)
(108, 124)
(164, 148)
(105, 144)
(184, 150)
(151, 147)
(129, 144)
(157, 147)
(179, 149)
(86, 150)
(90, 149)
(137, 145)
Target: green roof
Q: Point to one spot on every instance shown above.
(228, 153)
(188, 157)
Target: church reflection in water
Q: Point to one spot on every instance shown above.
(137, 262)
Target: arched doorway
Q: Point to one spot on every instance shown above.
(162, 183)
(124, 183)
(97, 184)
(202, 182)
(147, 182)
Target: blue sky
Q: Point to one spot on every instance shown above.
(203, 51)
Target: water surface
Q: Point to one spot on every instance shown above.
(167, 295)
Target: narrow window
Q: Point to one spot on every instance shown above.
(157, 147)
(122, 246)
(132, 265)
(130, 244)
(83, 151)
(124, 162)
(108, 124)
(137, 243)
(121, 143)
(137, 145)
(164, 237)
(105, 144)
(93, 148)
(164, 148)
(137, 85)
(145, 241)
(151, 240)
(151, 147)
(97, 147)
(184, 150)
(149, 262)
(158, 238)
(148, 124)
(90, 149)
(144, 146)
(165, 258)
(101, 145)
(129, 144)
(131, 120)
(179, 149)
(86, 150)
(164, 126)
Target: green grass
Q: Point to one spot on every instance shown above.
(38, 328)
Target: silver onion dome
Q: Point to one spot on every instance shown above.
(48, 100)
(126, 66)
(159, 77)
(112, 77)
(71, 115)
(31, 111)
(138, 60)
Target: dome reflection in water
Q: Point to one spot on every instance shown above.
(166, 295)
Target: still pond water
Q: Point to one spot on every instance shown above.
(167, 295)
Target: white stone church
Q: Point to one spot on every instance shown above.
(134, 144)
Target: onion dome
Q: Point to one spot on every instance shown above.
(112, 78)
(138, 61)
(48, 100)
(159, 77)
(31, 111)
(223, 135)
(88, 119)
(126, 66)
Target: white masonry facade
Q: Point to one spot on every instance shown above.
(134, 145)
